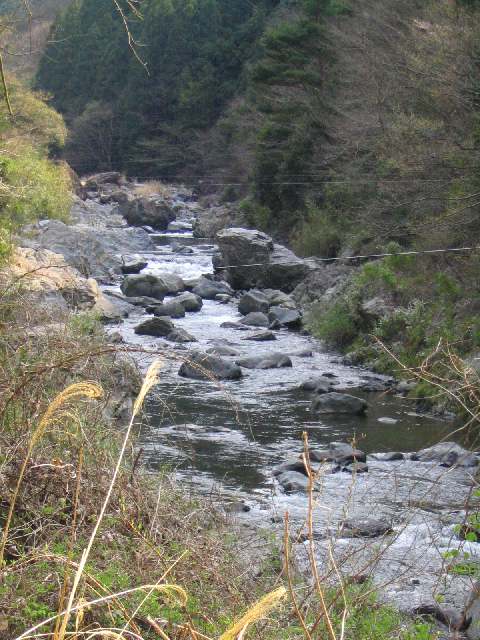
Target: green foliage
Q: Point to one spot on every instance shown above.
(33, 186)
(338, 325)
(195, 53)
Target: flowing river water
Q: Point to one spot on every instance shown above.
(226, 439)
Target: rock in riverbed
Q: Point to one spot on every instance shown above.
(266, 361)
(209, 289)
(261, 336)
(173, 309)
(255, 319)
(152, 286)
(283, 317)
(132, 265)
(189, 301)
(339, 403)
(157, 327)
(250, 259)
(152, 211)
(448, 454)
(180, 336)
(202, 366)
(253, 301)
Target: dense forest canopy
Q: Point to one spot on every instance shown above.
(194, 52)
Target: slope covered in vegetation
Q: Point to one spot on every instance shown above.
(345, 128)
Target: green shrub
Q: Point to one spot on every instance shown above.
(34, 188)
(337, 325)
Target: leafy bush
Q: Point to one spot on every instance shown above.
(338, 325)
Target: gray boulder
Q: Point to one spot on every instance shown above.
(261, 336)
(93, 252)
(173, 309)
(189, 301)
(202, 366)
(390, 456)
(132, 265)
(366, 528)
(157, 327)
(255, 319)
(253, 301)
(317, 385)
(294, 464)
(293, 481)
(339, 403)
(266, 361)
(356, 467)
(209, 289)
(139, 286)
(277, 298)
(341, 453)
(448, 454)
(98, 179)
(283, 317)
(250, 260)
(221, 350)
(150, 211)
(180, 336)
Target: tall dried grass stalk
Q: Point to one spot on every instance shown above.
(57, 411)
(257, 612)
(149, 381)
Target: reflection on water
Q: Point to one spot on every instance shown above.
(235, 432)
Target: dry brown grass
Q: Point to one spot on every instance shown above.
(151, 188)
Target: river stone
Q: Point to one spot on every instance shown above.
(277, 298)
(317, 385)
(208, 289)
(180, 336)
(391, 456)
(293, 481)
(366, 528)
(341, 453)
(356, 467)
(152, 211)
(223, 298)
(181, 250)
(158, 327)
(179, 225)
(133, 265)
(221, 350)
(283, 317)
(94, 252)
(141, 301)
(234, 325)
(251, 260)
(447, 454)
(294, 464)
(189, 301)
(339, 403)
(253, 301)
(261, 336)
(266, 361)
(143, 285)
(202, 366)
(173, 309)
(255, 319)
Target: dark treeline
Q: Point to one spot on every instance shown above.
(120, 115)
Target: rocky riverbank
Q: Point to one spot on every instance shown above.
(233, 312)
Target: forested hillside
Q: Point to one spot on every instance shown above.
(344, 128)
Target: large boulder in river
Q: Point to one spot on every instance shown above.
(157, 327)
(255, 319)
(209, 289)
(190, 301)
(202, 366)
(151, 211)
(143, 286)
(95, 252)
(250, 259)
(339, 403)
(151, 286)
(448, 454)
(283, 317)
(180, 336)
(172, 309)
(132, 265)
(253, 301)
(266, 361)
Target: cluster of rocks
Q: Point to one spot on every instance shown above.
(292, 475)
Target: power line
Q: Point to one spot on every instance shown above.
(364, 257)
